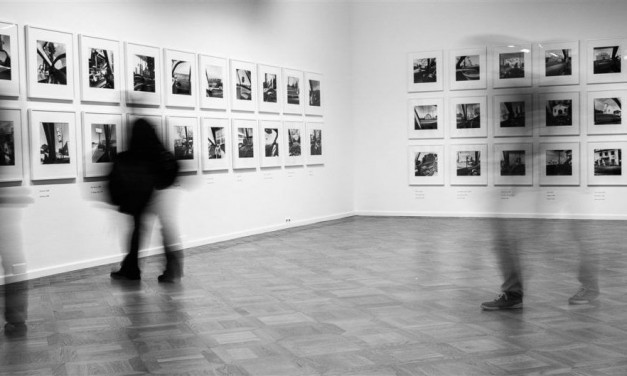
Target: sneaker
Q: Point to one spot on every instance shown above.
(120, 275)
(503, 301)
(167, 278)
(14, 330)
(584, 296)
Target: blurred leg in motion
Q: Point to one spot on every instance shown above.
(588, 274)
(130, 265)
(165, 208)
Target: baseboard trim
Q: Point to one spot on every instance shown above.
(372, 213)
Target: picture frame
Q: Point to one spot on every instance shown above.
(604, 61)
(512, 117)
(270, 89)
(605, 112)
(469, 164)
(270, 146)
(471, 116)
(556, 63)
(294, 143)
(53, 51)
(216, 144)
(293, 99)
(102, 133)
(513, 163)
(245, 141)
(11, 153)
(182, 141)
(100, 70)
(143, 75)
(243, 86)
(604, 163)
(468, 67)
(557, 114)
(213, 80)
(9, 60)
(155, 120)
(52, 130)
(425, 118)
(316, 144)
(180, 78)
(512, 66)
(425, 71)
(426, 164)
(559, 163)
(313, 88)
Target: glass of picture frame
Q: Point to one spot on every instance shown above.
(557, 63)
(143, 75)
(512, 65)
(604, 62)
(468, 69)
(425, 71)
(293, 82)
(52, 145)
(559, 163)
(557, 113)
(180, 78)
(243, 86)
(270, 145)
(513, 164)
(605, 112)
(213, 79)
(512, 115)
(294, 143)
(245, 140)
(155, 120)
(605, 163)
(11, 153)
(468, 164)
(313, 89)
(100, 70)
(316, 143)
(471, 116)
(50, 64)
(182, 140)
(270, 89)
(216, 144)
(426, 164)
(425, 118)
(102, 133)
(9, 61)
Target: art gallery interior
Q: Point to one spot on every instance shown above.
(334, 268)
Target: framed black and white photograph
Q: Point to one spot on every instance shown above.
(313, 91)
(143, 75)
(270, 89)
(270, 145)
(316, 143)
(156, 121)
(102, 134)
(213, 78)
(559, 163)
(425, 71)
(605, 114)
(512, 115)
(557, 114)
(243, 86)
(182, 137)
(9, 61)
(50, 64)
(468, 69)
(468, 164)
(216, 144)
(512, 66)
(426, 118)
(11, 154)
(294, 144)
(471, 117)
(426, 165)
(513, 164)
(556, 63)
(52, 145)
(293, 98)
(100, 70)
(605, 163)
(180, 78)
(245, 150)
(604, 62)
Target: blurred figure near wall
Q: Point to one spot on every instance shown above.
(585, 234)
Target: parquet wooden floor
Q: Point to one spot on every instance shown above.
(359, 296)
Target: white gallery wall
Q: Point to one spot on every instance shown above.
(385, 32)
(68, 225)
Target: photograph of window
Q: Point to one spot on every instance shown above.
(182, 138)
(513, 164)
(514, 65)
(470, 116)
(294, 100)
(313, 87)
(556, 63)
(101, 142)
(181, 77)
(271, 141)
(426, 118)
(559, 163)
(214, 79)
(512, 115)
(605, 61)
(468, 164)
(213, 82)
(294, 132)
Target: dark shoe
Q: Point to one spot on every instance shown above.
(120, 275)
(13, 330)
(168, 278)
(584, 296)
(503, 301)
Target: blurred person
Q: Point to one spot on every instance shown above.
(588, 270)
(137, 184)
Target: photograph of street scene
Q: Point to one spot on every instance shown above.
(512, 114)
(181, 77)
(315, 141)
(607, 111)
(217, 142)
(467, 68)
(271, 142)
(426, 117)
(144, 73)
(54, 139)
(243, 90)
(513, 163)
(468, 115)
(425, 70)
(606, 60)
(183, 142)
(7, 144)
(293, 90)
(512, 65)
(103, 143)
(101, 74)
(245, 143)
(426, 164)
(558, 63)
(51, 63)
(269, 88)
(559, 163)
(215, 81)
(293, 141)
(314, 93)
(559, 113)
(608, 162)
(5, 57)
(469, 163)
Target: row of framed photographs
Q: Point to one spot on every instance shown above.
(555, 114)
(512, 164)
(224, 143)
(186, 79)
(511, 66)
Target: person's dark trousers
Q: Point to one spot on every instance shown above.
(130, 264)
